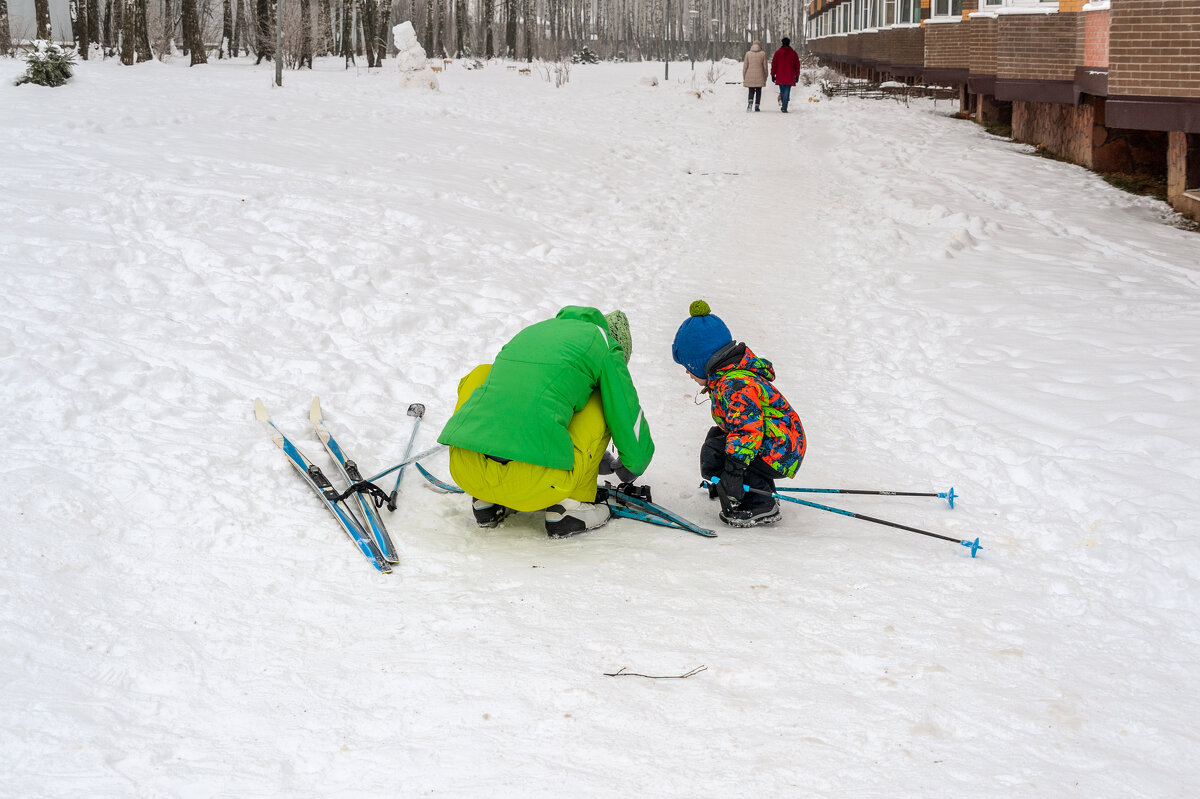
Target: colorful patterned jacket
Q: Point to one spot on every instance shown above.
(756, 418)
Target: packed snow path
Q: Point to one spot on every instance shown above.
(179, 617)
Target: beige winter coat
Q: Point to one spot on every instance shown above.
(754, 67)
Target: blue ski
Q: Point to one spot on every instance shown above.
(624, 512)
(320, 484)
(449, 488)
(626, 504)
(350, 473)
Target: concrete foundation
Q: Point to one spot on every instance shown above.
(1183, 173)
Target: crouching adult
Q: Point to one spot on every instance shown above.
(530, 430)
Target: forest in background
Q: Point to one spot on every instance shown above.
(359, 30)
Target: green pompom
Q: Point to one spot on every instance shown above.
(699, 308)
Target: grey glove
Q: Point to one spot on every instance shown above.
(611, 464)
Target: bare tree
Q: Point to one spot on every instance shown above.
(527, 15)
(6, 47)
(79, 26)
(429, 28)
(383, 28)
(239, 30)
(367, 19)
(193, 36)
(264, 42)
(41, 10)
(306, 35)
(93, 21)
(165, 46)
(112, 24)
(6, 39)
(348, 32)
(226, 30)
(141, 31)
(461, 46)
(489, 17)
(128, 32)
(324, 28)
(510, 28)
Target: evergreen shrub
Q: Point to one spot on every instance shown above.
(48, 65)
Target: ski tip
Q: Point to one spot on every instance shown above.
(260, 410)
(314, 410)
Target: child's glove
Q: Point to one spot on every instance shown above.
(611, 464)
(729, 488)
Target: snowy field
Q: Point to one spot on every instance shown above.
(179, 617)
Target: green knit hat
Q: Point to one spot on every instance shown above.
(618, 328)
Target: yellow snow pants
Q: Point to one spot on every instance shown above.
(526, 486)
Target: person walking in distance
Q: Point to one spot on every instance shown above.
(754, 74)
(785, 71)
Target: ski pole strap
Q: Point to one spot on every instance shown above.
(377, 494)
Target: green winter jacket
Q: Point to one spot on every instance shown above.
(539, 381)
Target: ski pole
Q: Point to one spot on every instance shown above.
(409, 460)
(949, 496)
(972, 545)
(417, 410)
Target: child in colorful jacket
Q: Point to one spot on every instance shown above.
(758, 437)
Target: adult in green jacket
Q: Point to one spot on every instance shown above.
(530, 430)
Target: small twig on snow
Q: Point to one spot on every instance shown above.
(623, 673)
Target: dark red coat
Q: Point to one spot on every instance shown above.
(785, 67)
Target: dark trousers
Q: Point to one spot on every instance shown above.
(755, 95)
(759, 474)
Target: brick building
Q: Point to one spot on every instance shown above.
(1113, 85)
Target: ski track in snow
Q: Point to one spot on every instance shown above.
(178, 617)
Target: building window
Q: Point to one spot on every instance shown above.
(947, 8)
(909, 11)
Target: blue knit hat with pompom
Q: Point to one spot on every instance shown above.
(699, 338)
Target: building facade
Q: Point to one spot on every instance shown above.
(1112, 85)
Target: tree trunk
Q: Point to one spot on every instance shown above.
(489, 16)
(78, 12)
(460, 29)
(510, 28)
(41, 10)
(93, 14)
(429, 28)
(128, 32)
(241, 32)
(358, 34)
(168, 29)
(383, 28)
(306, 35)
(264, 36)
(366, 16)
(112, 25)
(226, 30)
(438, 12)
(192, 36)
(527, 12)
(142, 32)
(348, 32)
(324, 28)
(5, 35)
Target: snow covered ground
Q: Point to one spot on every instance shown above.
(180, 617)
